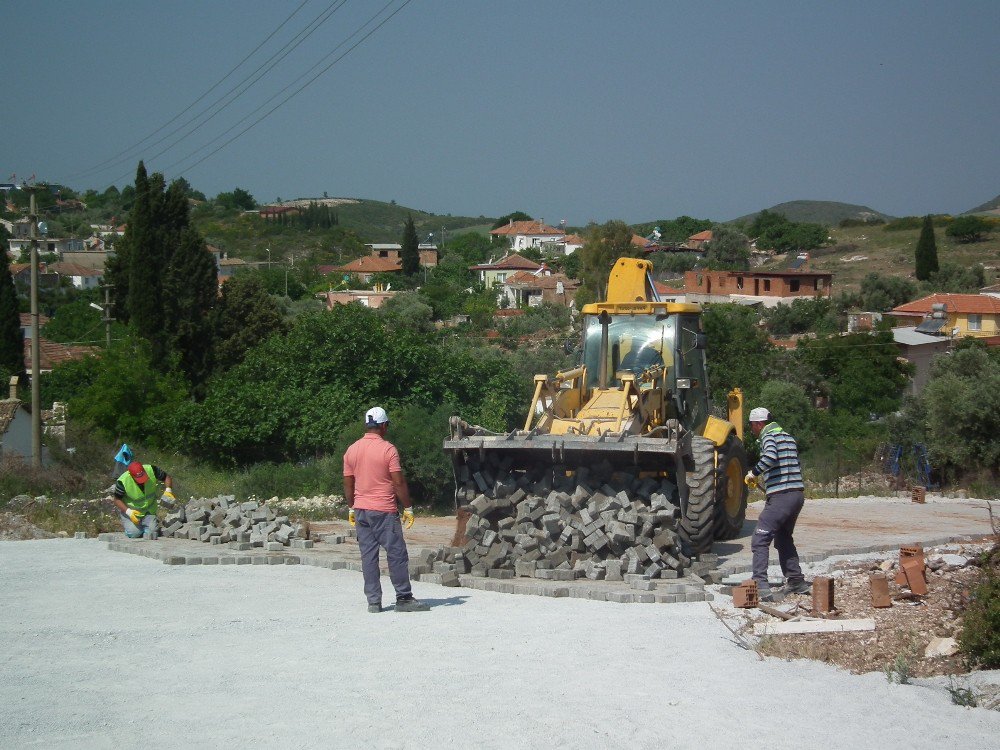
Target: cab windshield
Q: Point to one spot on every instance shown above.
(635, 343)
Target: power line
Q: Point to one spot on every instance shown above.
(206, 114)
(277, 94)
(305, 85)
(242, 87)
(184, 111)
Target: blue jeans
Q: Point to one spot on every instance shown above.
(376, 529)
(148, 522)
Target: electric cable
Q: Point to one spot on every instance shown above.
(192, 104)
(237, 90)
(300, 89)
(284, 89)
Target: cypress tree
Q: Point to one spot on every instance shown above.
(926, 255)
(190, 288)
(11, 338)
(410, 254)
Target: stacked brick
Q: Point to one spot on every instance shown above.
(548, 523)
(243, 526)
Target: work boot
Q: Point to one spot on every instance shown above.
(768, 595)
(411, 605)
(801, 586)
(374, 608)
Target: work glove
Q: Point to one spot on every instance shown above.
(350, 517)
(134, 516)
(168, 498)
(407, 517)
(750, 480)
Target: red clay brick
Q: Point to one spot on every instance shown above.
(823, 594)
(913, 569)
(746, 596)
(880, 590)
(918, 494)
(908, 552)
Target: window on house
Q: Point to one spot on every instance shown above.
(818, 284)
(722, 282)
(793, 285)
(975, 322)
(739, 282)
(501, 277)
(701, 280)
(767, 285)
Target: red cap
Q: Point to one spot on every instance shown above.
(138, 473)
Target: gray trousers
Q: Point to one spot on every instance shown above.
(374, 530)
(776, 523)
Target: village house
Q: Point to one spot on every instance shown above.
(527, 289)
(364, 297)
(394, 251)
(521, 235)
(497, 272)
(919, 349)
(79, 276)
(770, 288)
(365, 267)
(952, 315)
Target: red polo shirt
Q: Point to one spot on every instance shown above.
(370, 461)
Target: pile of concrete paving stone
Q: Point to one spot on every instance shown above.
(554, 524)
(222, 520)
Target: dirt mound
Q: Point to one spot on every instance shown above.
(18, 528)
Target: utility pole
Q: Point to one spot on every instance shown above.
(36, 393)
(107, 314)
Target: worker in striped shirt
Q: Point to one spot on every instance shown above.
(781, 475)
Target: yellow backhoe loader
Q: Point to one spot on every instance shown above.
(637, 403)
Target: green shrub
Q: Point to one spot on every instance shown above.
(980, 638)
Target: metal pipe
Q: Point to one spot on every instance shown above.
(602, 373)
(36, 394)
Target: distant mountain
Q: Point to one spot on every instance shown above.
(990, 207)
(829, 213)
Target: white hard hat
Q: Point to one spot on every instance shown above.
(375, 416)
(760, 414)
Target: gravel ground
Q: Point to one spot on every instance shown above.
(110, 650)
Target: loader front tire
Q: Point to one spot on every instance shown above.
(697, 526)
(730, 489)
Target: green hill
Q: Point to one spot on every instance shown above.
(830, 213)
(990, 207)
(378, 221)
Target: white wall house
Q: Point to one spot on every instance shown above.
(522, 235)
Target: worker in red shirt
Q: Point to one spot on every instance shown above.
(373, 482)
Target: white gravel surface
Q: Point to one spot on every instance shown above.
(102, 649)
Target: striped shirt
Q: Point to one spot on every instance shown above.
(779, 460)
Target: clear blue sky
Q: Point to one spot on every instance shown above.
(587, 110)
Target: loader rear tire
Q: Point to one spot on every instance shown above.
(730, 489)
(697, 526)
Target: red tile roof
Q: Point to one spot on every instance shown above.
(705, 236)
(370, 264)
(640, 241)
(573, 239)
(667, 290)
(515, 228)
(513, 262)
(72, 269)
(53, 353)
(955, 303)
(26, 319)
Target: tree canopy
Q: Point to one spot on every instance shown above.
(968, 228)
